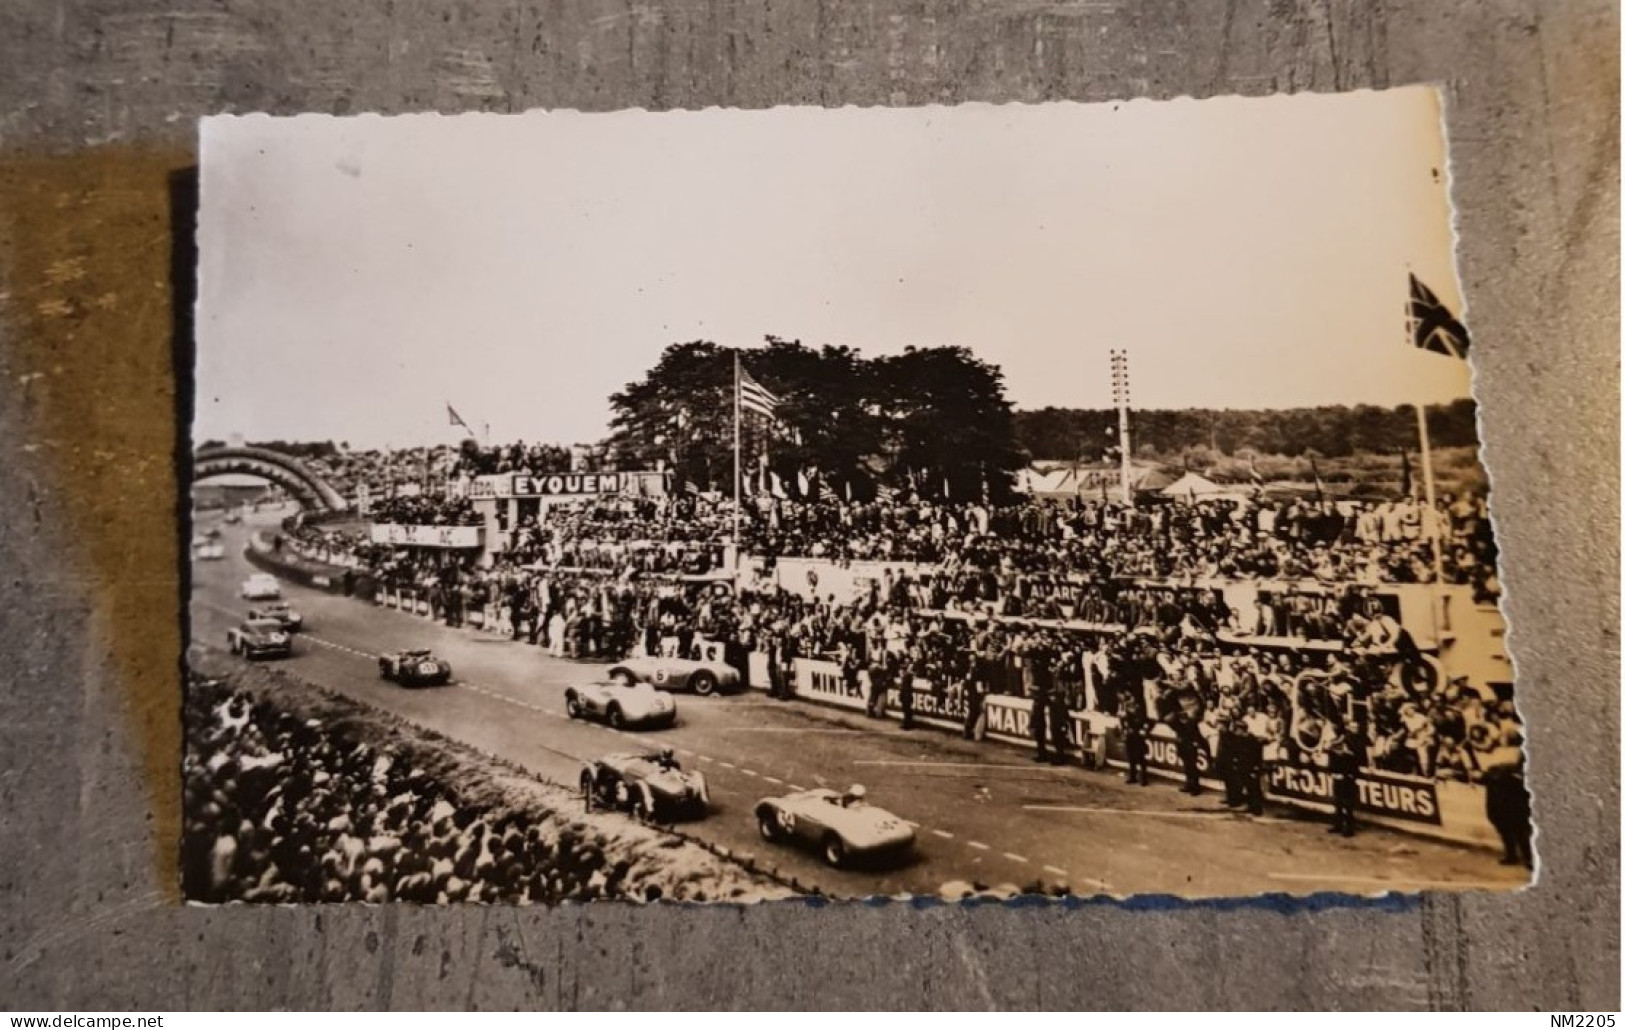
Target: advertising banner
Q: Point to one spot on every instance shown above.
(571, 484)
(450, 537)
(822, 681)
(1388, 794)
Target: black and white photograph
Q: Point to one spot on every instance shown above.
(976, 502)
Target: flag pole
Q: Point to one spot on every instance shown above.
(1432, 496)
(1430, 520)
(736, 463)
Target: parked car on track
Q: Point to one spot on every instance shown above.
(650, 785)
(259, 638)
(209, 551)
(677, 674)
(841, 826)
(621, 705)
(261, 586)
(416, 668)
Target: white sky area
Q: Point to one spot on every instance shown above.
(357, 274)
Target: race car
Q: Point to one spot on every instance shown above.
(279, 611)
(210, 551)
(842, 826)
(261, 586)
(418, 668)
(232, 519)
(259, 638)
(677, 674)
(622, 705)
(650, 785)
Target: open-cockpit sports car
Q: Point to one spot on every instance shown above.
(259, 638)
(261, 586)
(208, 550)
(650, 785)
(842, 826)
(278, 611)
(677, 674)
(621, 705)
(415, 668)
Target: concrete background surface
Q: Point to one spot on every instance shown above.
(97, 106)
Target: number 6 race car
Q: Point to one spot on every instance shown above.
(622, 705)
(652, 787)
(842, 826)
(414, 669)
(677, 674)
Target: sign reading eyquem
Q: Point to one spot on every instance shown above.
(562, 484)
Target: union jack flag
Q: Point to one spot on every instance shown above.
(1433, 327)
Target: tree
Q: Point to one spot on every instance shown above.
(931, 416)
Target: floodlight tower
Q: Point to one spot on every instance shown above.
(1120, 398)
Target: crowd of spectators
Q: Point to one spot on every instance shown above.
(423, 510)
(1025, 598)
(1194, 539)
(281, 809)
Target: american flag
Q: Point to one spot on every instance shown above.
(753, 396)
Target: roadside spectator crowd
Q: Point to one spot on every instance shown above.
(280, 809)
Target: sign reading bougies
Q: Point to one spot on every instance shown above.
(573, 484)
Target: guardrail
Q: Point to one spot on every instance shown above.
(332, 579)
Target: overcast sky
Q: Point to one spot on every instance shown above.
(360, 273)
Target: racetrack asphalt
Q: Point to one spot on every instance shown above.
(985, 812)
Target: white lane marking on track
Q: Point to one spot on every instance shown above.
(684, 751)
(1397, 885)
(705, 758)
(728, 765)
(957, 765)
(780, 729)
(978, 845)
(750, 772)
(795, 786)
(911, 824)
(944, 834)
(773, 779)
(1132, 811)
(1012, 856)
(1057, 870)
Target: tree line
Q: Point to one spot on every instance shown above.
(1332, 431)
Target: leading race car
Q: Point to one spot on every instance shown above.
(261, 586)
(416, 668)
(650, 785)
(278, 611)
(622, 705)
(259, 638)
(677, 674)
(842, 826)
